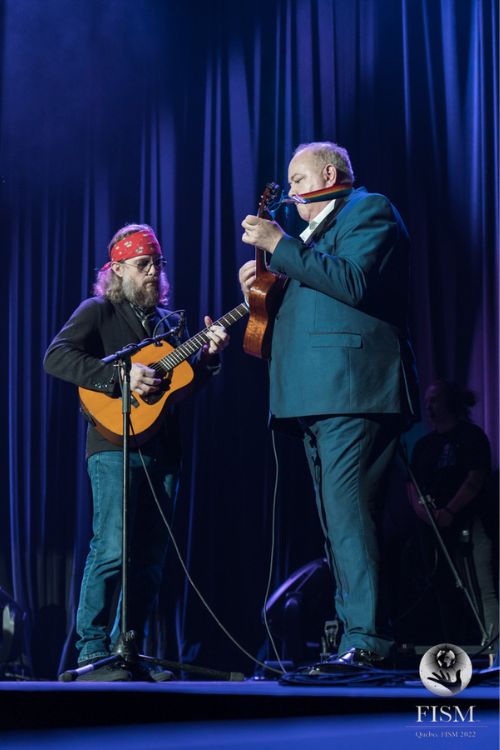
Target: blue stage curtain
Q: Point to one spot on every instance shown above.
(177, 116)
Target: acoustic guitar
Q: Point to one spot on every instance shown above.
(172, 366)
(265, 295)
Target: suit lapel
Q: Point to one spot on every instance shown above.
(327, 222)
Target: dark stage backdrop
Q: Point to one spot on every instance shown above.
(177, 114)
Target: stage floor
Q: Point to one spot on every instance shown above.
(250, 714)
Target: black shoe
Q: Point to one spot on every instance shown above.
(150, 673)
(107, 673)
(162, 675)
(354, 659)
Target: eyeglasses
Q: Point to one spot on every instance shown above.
(143, 265)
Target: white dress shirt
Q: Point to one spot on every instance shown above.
(304, 236)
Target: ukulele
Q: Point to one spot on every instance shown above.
(265, 295)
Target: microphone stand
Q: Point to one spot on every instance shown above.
(126, 653)
(427, 503)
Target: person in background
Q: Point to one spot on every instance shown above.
(452, 465)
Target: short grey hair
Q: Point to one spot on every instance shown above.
(327, 152)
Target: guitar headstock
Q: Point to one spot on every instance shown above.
(268, 199)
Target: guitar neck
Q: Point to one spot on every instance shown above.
(260, 261)
(260, 255)
(195, 343)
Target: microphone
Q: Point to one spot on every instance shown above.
(179, 329)
(181, 325)
(178, 332)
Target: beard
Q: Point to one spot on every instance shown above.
(146, 295)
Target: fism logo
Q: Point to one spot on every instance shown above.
(445, 714)
(445, 670)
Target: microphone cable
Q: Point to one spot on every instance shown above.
(194, 586)
(274, 506)
(192, 582)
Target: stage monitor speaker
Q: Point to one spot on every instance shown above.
(296, 612)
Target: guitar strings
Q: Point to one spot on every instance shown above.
(189, 347)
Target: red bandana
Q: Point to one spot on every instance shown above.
(134, 245)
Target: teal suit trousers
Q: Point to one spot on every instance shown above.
(348, 458)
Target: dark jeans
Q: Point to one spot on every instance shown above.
(147, 541)
(348, 458)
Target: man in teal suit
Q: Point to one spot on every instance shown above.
(342, 370)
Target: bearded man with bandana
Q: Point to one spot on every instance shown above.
(129, 305)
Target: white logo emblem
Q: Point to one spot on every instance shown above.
(445, 669)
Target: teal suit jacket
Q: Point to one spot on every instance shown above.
(340, 343)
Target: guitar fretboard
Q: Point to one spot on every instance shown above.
(195, 343)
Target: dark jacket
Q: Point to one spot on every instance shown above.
(97, 329)
(340, 342)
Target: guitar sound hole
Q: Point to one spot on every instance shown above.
(153, 398)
